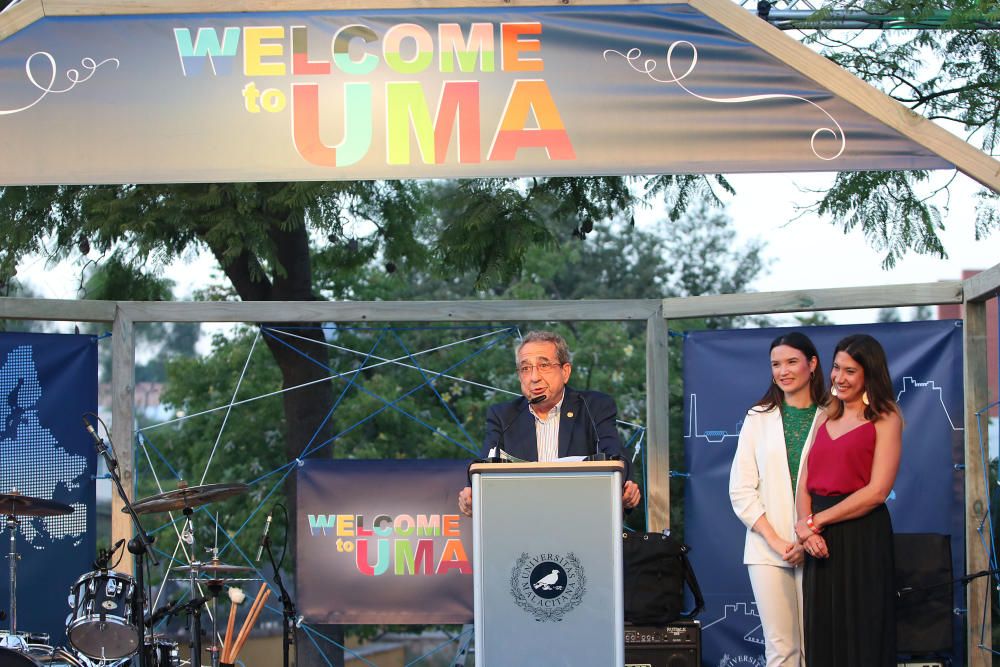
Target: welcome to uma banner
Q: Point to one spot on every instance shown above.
(383, 542)
(416, 93)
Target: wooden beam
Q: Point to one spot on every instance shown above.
(29, 11)
(19, 17)
(66, 310)
(129, 7)
(836, 298)
(657, 424)
(122, 418)
(983, 285)
(977, 496)
(390, 311)
(969, 160)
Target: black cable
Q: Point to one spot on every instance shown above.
(284, 542)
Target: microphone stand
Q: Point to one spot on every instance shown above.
(139, 546)
(287, 608)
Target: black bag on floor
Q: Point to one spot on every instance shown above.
(656, 570)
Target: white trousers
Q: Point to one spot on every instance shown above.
(778, 592)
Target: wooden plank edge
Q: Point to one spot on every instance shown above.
(983, 285)
(64, 310)
(390, 311)
(833, 298)
(20, 16)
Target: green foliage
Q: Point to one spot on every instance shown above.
(887, 208)
(439, 419)
(948, 70)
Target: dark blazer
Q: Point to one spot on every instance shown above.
(581, 411)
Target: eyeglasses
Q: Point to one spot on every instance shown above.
(542, 366)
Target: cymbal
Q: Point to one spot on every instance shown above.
(213, 567)
(21, 505)
(187, 497)
(220, 581)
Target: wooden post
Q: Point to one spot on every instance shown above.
(976, 494)
(122, 418)
(657, 423)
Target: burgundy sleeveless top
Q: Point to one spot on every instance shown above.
(843, 465)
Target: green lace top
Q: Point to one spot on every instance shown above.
(796, 423)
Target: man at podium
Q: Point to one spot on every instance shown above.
(551, 420)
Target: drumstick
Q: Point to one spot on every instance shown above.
(236, 598)
(249, 623)
(231, 650)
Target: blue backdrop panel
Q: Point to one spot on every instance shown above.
(725, 372)
(47, 382)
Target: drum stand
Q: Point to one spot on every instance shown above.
(12, 524)
(139, 546)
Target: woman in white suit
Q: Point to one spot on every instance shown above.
(773, 441)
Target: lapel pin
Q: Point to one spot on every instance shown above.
(569, 414)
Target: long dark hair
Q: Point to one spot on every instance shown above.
(871, 357)
(774, 396)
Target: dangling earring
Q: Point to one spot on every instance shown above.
(833, 392)
(864, 398)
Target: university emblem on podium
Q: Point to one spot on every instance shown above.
(547, 586)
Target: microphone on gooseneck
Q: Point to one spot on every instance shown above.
(499, 441)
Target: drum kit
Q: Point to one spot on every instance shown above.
(110, 624)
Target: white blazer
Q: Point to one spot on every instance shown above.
(760, 482)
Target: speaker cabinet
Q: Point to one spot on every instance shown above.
(924, 588)
(674, 645)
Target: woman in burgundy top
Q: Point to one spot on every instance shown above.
(846, 530)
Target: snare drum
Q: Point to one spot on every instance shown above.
(101, 624)
(162, 653)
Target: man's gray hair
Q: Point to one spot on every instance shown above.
(562, 350)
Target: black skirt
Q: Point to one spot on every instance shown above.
(849, 598)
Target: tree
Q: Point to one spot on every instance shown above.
(266, 237)
(947, 71)
(623, 262)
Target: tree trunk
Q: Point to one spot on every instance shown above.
(304, 362)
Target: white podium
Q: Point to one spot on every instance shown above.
(547, 564)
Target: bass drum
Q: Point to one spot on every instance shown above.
(40, 655)
(50, 656)
(12, 658)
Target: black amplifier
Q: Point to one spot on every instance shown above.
(674, 645)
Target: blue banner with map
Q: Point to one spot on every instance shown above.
(47, 381)
(726, 372)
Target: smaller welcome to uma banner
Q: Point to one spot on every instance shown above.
(383, 542)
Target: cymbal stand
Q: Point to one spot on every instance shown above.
(139, 546)
(214, 590)
(12, 524)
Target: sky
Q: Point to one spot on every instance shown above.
(808, 252)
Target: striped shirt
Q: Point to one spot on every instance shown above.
(547, 432)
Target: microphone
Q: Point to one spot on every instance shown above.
(98, 440)
(531, 401)
(263, 537)
(161, 613)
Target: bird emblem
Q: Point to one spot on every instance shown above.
(547, 582)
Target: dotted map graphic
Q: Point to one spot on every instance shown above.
(33, 462)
